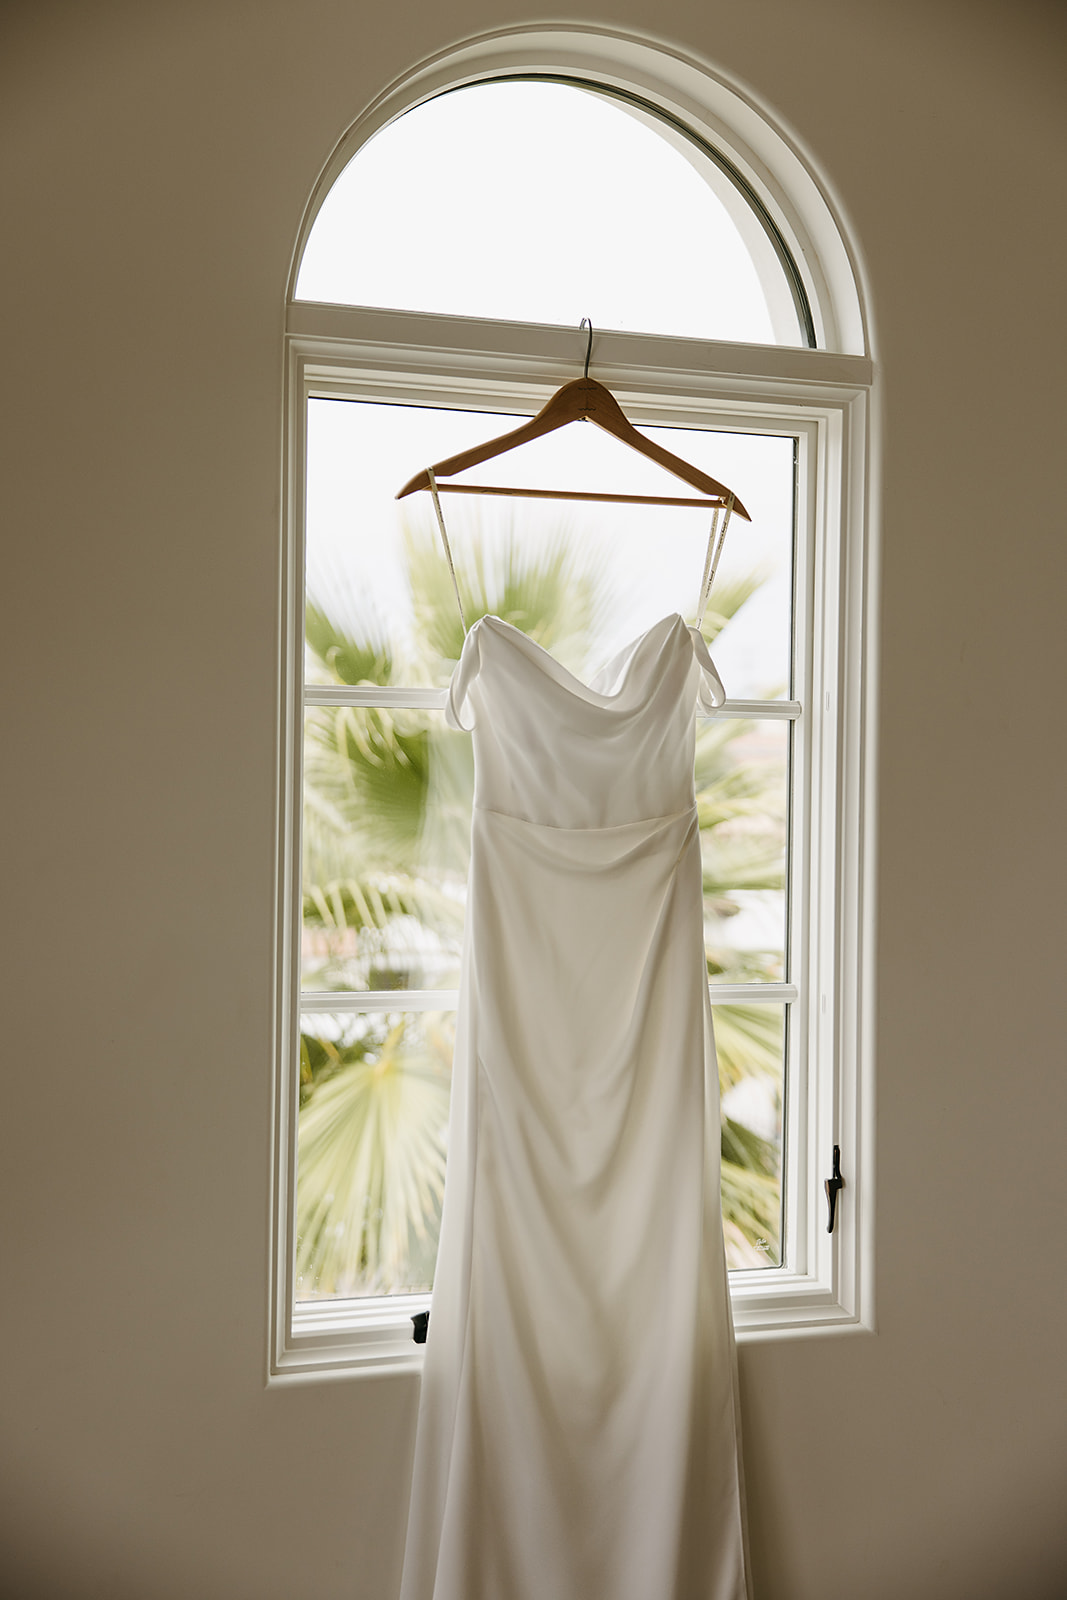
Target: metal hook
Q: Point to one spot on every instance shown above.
(586, 323)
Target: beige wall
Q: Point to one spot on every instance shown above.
(155, 162)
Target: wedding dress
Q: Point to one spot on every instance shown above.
(578, 1433)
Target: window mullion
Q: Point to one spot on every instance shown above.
(398, 697)
(351, 1001)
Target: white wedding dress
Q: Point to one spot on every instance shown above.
(578, 1433)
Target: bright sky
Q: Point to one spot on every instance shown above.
(539, 202)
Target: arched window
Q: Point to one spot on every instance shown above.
(554, 195)
(456, 239)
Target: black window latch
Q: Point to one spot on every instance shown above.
(833, 1186)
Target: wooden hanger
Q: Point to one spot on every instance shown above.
(582, 400)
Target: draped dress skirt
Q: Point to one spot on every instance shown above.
(578, 1431)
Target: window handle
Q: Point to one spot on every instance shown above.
(833, 1186)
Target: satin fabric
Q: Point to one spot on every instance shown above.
(578, 1432)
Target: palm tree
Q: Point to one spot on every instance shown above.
(386, 842)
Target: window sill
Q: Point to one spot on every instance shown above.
(359, 1338)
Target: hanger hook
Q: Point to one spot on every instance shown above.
(586, 323)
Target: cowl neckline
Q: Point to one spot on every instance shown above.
(618, 670)
(647, 650)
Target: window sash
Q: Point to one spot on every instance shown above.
(821, 400)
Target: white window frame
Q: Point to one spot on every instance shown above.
(824, 399)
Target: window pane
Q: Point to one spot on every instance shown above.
(476, 203)
(374, 1091)
(742, 778)
(387, 807)
(585, 578)
(750, 1043)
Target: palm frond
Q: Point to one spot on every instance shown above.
(727, 598)
(373, 904)
(547, 594)
(751, 1205)
(742, 966)
(343, 654)
(748, 1041)
(371, 1161)
(751, 1195)
(734, 864)
(380, 932)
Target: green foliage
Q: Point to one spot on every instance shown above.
(727, 598)
(385, 852)
(371, 1152)
(549, 598)
(345, 656)
(748, 1042)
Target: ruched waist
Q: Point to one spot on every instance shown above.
(591, 849)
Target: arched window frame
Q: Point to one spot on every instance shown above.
(825, 398)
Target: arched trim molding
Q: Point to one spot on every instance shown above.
(783, 177)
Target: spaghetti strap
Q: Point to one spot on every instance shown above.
(711, 559)
(444, 541)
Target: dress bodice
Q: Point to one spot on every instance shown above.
(552, 750)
